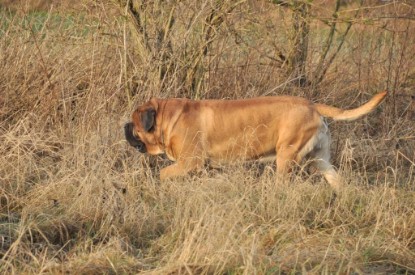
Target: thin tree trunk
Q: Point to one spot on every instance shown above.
(298, 58)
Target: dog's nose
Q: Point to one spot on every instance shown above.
(140, 147)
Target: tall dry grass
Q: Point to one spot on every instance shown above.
(75, 198)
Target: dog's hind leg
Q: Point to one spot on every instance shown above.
(329, 173)
(321, 160)
(286, 157)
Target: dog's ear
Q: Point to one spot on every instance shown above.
(148, 119)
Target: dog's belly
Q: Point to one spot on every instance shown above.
(241, 149)
(217, 161)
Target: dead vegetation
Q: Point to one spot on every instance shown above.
(75, 198)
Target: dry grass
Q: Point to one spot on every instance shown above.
(75, 198)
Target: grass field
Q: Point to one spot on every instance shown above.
(76, 199)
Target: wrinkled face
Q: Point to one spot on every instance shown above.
(141, 132)
(132, 140)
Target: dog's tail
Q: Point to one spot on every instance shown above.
(340, 114)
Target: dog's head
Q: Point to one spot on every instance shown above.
(141, 132)
(131, 138)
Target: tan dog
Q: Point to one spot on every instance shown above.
(191, 132)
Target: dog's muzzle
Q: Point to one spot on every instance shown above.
(132, 140)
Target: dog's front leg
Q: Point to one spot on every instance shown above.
(180, 168)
